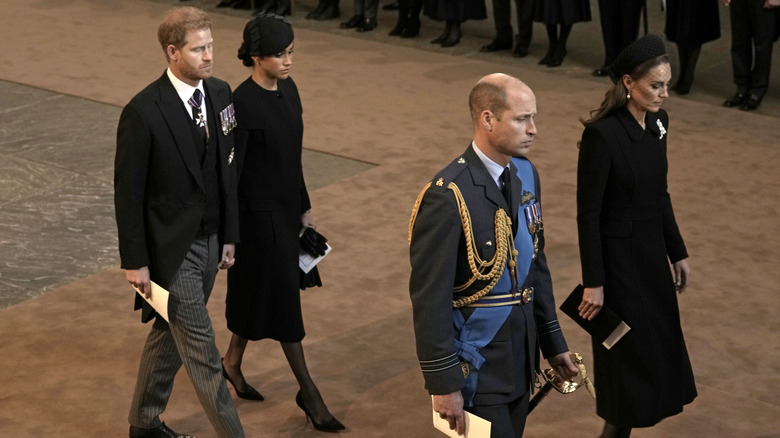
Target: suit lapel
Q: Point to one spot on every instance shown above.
(214, 95)
(179, 124)
(481, 177)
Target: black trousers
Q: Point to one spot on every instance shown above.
(752, 36)
(619, 25)
(502, 18)
(507, 421)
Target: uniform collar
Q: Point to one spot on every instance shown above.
(494, 169)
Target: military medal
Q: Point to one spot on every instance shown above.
(227, 118)
(199, 118)
(533, 217)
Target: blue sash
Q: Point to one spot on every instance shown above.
(483, 324)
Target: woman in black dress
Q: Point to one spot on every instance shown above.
(628, 236)
(263, 297)
(453, 13)
(558, 17)
(689, 24)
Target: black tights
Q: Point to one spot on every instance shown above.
(612, 431)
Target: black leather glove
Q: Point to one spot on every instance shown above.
(310, 279)
(313, 243)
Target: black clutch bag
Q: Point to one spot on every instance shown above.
(606, 327)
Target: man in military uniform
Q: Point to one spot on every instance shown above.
(480, 287)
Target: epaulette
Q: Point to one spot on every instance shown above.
(449, 173)
(439, 182)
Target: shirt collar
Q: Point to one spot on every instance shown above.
(493, 168)
(184, 90)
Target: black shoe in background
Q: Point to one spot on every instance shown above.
(737, 99)
(352, 22)
(753, 101)
(496, 45)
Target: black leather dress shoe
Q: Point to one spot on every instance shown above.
(520, 52)
(496, 45)
(161, 432)
(367, 25)
(352, 22)
(600, 72)
(737, 99)
(752, 102)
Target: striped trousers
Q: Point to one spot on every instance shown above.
(189, 340)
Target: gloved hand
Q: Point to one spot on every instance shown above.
(313, 243)
(310, 279)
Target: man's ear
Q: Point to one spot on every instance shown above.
(487, 119)
(172, 52)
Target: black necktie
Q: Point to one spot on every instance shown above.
(506, 190)
(506, 187)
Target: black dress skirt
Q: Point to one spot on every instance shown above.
(691, 23)
(263, 296)
(455, 10)
(562, 11)
(628, 235)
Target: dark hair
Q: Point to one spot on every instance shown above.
(173, 30)
(615, 97)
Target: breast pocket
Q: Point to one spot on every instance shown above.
(485, 241)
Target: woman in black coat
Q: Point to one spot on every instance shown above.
(690, 23)
(263, 296)
(628, 236)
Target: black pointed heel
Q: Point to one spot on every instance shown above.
(331, 425)
(248, 394)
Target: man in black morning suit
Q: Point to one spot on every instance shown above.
(176, 210)
(755, 26)
(466, 253)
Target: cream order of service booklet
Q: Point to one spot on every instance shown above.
(476, 427)
(158, 301)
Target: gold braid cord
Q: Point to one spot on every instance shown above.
(481, 269)
(415, 209)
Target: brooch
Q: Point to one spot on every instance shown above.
(660, 128)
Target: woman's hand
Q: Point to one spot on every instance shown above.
(307, 220)
(592, 302)
(682, 275)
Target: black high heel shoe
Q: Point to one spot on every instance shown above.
(332, 425)
(249, 394)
